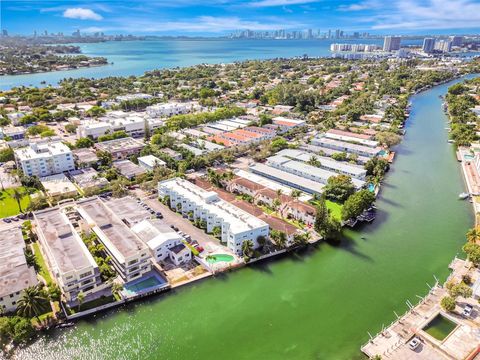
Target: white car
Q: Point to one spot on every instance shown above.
(467, 310)
(414, 343)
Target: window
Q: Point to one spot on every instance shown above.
(85, 275)
(132, 262)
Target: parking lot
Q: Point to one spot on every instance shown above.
(183, 225)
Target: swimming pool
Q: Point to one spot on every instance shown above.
(371, 187)
(468, 157)
(383, 153)
(440, 327)
(219, 258)
(136, 287)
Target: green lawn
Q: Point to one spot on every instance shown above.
(41, 262)
(9, 206)
(334, 207)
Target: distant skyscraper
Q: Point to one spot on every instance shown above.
(4, 32)
(456, 40)
(428, 45)
(443, 46)
(329, 34)
(337, 34)
(391, 43)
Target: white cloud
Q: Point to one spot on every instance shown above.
(429, 14)
(365, 5)
(205, 24)
(271, 3)
(82, 14)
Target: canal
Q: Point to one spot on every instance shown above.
(318, 304)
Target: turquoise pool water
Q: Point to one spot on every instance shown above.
(383, 153)
(219, 258)
(371, 187)
(136, 287)
(468, 157)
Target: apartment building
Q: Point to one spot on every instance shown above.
(172, 108)
(15, 274)
(305, 170)
(323, 162)
(121, 148)
(43, 159)
(69, 260)
(133, 125)
(236, 225)
(130, 255)
(162, 241)
(342, 146)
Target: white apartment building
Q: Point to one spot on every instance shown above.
(342, 146)
(69, 260)
(44, 159)
(161, 241)
(236, 225)
(149, 162)
(172, 108)
(352, 139)
(130, 256)
(340, 167)
(391, 43)
(133, 125)
(306, 171)
(15, 274)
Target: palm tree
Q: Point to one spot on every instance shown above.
(80, 299)
(473, 235)
(313, 161)
(247, 247)
(32, 303)
(116, 288)
(18, 195)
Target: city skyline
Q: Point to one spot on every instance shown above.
(217, 18)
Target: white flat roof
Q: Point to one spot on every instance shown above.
(239, 220)
(269, 183)
(280, 175)
(329, 163)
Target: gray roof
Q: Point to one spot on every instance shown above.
(15, 274)
(125, 243)
(68, 250)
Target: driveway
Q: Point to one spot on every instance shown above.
(173, 218)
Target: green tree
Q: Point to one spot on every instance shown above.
(473, 252)
(339, 188)
(357, 204)
(96, 111)
(247, 248)
(32, 303)
(84, 143)
(448, 303)
(80, 299)
(18, 195)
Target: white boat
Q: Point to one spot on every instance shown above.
(463, 196)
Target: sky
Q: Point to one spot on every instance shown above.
(219, 17)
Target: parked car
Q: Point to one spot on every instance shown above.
(414, 343)
(7, 220)
(467, 310)
(199, 249)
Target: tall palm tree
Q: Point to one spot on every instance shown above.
(32, 303)
(247, 247)
(18, 195)
(473, 235)
(80, 299)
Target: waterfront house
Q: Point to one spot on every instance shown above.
(15, 274)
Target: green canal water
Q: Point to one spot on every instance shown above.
(318, 304)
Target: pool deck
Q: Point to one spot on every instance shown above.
(392, 342)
